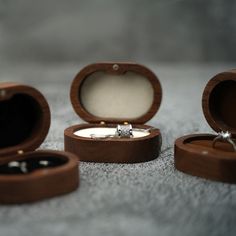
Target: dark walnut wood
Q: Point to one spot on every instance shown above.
(108, 68)
(219, 102)
(25, 121)
(25, 118)
(194, 154)
(59, 178)
(113, 150)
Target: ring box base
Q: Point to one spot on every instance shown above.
(42, 183)
(113, 150)
(195, 155)
(106, 94)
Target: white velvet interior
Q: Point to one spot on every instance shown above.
(117, 96)
(102, 131)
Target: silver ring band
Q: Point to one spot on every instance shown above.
(124, 131)
(225, 137)
(22, 166)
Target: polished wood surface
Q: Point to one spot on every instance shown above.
(113, 150)
(25, 121)
(41, 183)
(39, 106)
(108, 68)
(219, 102)
(195, 154)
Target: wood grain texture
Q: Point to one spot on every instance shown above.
(219, 102)
(42, 183)
(194, 154)
(40, 131)
(108, 68)
(17, 103)
(113, 150)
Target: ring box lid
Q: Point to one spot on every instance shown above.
(115, 92)
(24, 119)
(219, 102)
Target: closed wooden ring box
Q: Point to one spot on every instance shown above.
(24, 124)
(111, 93)
(195, 154)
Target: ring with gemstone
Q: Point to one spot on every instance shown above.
(225, 137)
(124, 131)
(22, 166)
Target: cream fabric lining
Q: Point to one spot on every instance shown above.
(117, 96)
(101, 131)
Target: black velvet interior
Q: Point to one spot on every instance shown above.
(222, 105)
(33, 164)
(19, 117)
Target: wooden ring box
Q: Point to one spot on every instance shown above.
(194, 153)
(107, 94)
(24, 124)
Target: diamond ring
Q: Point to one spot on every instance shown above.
(225, 137)
(124, 131)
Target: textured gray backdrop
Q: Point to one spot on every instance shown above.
(137, 199)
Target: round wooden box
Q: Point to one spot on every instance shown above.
(27, 175)
(195, 154)
(107, 94)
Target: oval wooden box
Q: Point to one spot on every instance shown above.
(25, 121)
(194, 154)
(114, 76)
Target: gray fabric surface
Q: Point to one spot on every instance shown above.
(140, 199)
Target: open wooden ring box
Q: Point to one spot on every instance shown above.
(195, 154)
(24, 124)
(108, 94)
